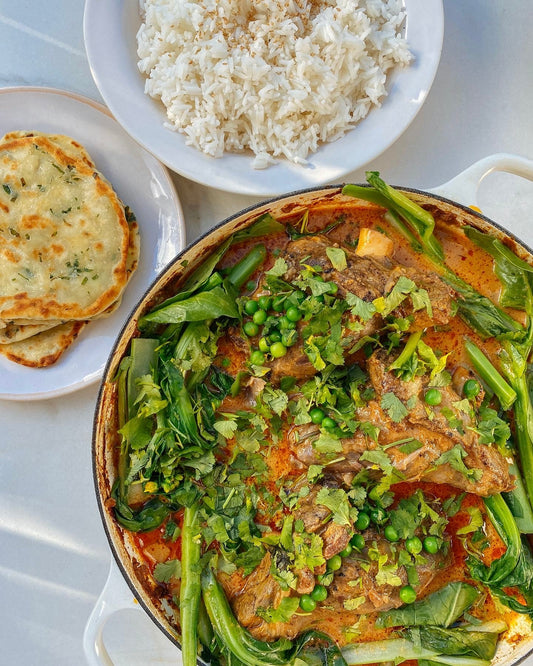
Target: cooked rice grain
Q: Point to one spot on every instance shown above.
(274, 76)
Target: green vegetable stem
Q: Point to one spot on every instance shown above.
(488, 373)
(247, 266)
(190, 590)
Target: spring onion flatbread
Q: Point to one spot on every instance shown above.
(67, 248)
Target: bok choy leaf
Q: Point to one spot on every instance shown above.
(218, 302)
(437, 645)
(441, 608)
(514, 569)
(513, 272)
(455, 642)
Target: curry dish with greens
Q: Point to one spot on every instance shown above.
(325, 440)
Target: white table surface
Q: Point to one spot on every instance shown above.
(54, 556)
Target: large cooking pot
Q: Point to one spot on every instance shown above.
(126, 586)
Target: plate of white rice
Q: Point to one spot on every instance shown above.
(261, 97)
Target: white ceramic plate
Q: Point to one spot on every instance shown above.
(140, 181)
(110, 30)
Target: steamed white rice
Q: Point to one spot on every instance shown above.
(276, 77)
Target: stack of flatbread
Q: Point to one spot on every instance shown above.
(67, 246)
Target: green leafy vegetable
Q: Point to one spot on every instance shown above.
(454, 457)
(282, 613)
(441, 608)
(514, 274)
(438, 645)
(218, 302)
(455, 642)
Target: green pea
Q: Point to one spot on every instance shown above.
(363, 521)
(250, 307)
(257, 357)
(333, 288)
(347, 551)
(278, 349)
(259, 317)
(358, 540)
(293, 314)
(264, 345)
(265, 302)
(251, 328)
(391, 534)
(275, 336)
(319, 593)
(286, 323)
(433, 397)
(317, 415)
(307, 603)
(328, 423)
(407, 594)
(431, 545)
(334, 563)
(471, 388)
(378, 515)
(413, 545)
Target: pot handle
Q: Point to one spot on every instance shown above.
(115, 596)
(464, 187)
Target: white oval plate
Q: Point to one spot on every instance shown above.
(110, 30)
(140, 181)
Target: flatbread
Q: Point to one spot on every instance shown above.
(64, 237)
(42, 242)
(66, 143)
(43, 349)
(16, 332)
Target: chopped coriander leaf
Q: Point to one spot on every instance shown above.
(164, 572)
(286, 609)
(393, 406)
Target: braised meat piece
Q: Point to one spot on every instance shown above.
(437, 432)
(434, 431)
(316, 519)
(295, 364)
(368, 581)
(247, 594)
(366, 277)
(359, 579)
(302, 440)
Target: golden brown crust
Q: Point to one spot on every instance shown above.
(43, 349)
